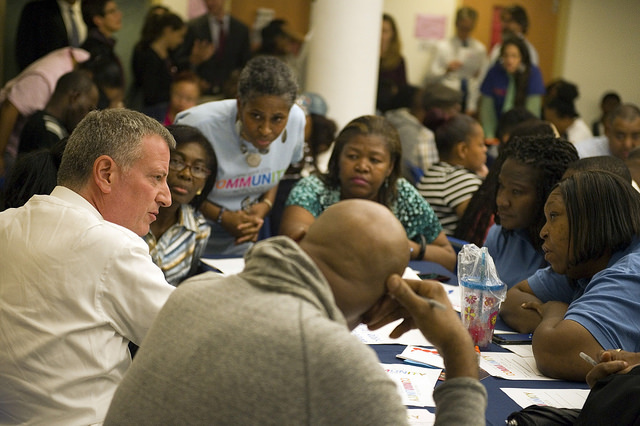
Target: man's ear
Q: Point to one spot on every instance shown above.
(104, 169)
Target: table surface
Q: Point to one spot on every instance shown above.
(500, 405)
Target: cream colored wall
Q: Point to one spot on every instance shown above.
(602, 51)
(417, 52)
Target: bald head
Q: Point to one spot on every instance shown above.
(357, 244)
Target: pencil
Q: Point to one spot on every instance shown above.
(435, 304)
(588, 358)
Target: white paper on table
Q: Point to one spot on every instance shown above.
(234, 265)
(381, 336)
(420, 417)
(562, 398)
(511, 366)
(229, 266)
(428, 356)
(415, 384)
(455, 294)
(499, 331)
(410, 274)
(521, 350)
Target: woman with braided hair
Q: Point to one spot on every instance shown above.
(529, 167)
(479, 214)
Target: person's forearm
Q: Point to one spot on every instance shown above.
(520, 319)
(450, 410)
(460, 357)
(557, 344)
(266, 201)
(210, 210)
(441, 255)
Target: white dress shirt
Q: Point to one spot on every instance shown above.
(474, 59)
(578, 131)
(77, 18)
(74, 290)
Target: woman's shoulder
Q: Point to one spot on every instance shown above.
(405, 188)
(307, 186)
(192, 217)
(208, 113)
(408, 195)
(536, 82)
(311, 181)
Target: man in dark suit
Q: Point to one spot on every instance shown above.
(231, 48)
(44, 27)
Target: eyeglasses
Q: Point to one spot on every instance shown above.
(178, 165)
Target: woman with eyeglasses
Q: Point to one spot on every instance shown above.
(180, 233)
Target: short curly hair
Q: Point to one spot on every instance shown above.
(267, 76)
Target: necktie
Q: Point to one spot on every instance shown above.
(74, 38)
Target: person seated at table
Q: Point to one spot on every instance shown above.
(299, 360)
(530, 168)
(77, 281)
(614, 383)
(478, 217)
(180, 233)
(592, 242)
(366, 163)
(256, 137)
(449, 184)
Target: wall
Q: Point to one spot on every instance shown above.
(602, 51)
(417, 51)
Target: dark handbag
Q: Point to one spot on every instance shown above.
(613, 401)
(542, 415)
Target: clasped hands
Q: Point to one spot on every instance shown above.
(245, 224)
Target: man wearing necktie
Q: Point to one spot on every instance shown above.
(458, 61)
(230, 41)
(47, 25)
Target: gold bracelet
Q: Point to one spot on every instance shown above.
(268, 203)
